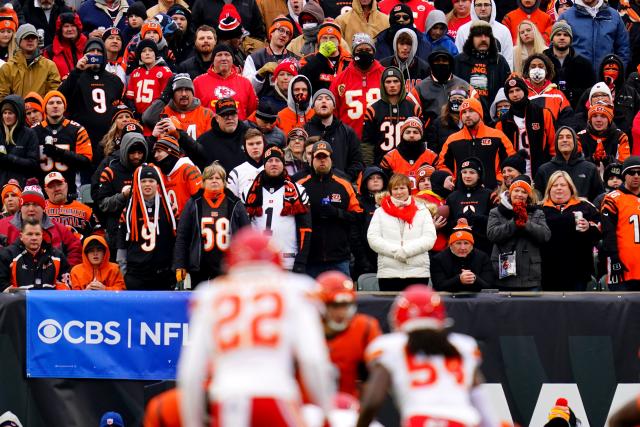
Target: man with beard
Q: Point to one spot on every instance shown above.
(346, 155)
(200, 61)
(383, 119)
(480, 63)
(298, 110)
(181, 43)
(63, 210)
(115, 62)
(177, 100)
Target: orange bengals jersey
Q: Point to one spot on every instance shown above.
(347, 348)
(395, 163)
(163, 410)
(194, 122)
(625, 207)
(183, 182)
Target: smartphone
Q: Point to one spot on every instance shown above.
(95, 59)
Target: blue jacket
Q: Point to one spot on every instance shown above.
(594, 38)
(445, 42)
(93, 17)
(384, 45)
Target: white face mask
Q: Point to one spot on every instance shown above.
(537, 74)
(309, 25)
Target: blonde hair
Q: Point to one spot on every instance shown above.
(212, 169)
(108, 141)
(9, 130)
(397, 180)
(552, 180)
(521, 52)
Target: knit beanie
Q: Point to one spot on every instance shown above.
(144, 44)
(611, 170)
(94, 43)
(120, 109)
(471, 104)
(472, 163)
(25, 30)
(600, 87)
(515, 81)
(182, 81)
(480, 28)
(137, 9)
(169, 145)
(561, 26)
(34, 100)
(12, 186)
(560, 410)
(281, 21)
(412, 122)
(229, 23)
(287, 65)
(150, 26)
(113, 31)
(360, 39)
(522, 181)
(149, 172)
(329, 27)
(601, 108)
(274, 151)
(631, 162)
(324, 92)
(32, 193)
(54, 93)
(462, 231)
(517, 161)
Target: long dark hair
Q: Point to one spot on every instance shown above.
(431, 343)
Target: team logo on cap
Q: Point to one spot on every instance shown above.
(465, 164)
(535, 126)
(465, 105)
(321, 146)
(512, 82)
(273, 150)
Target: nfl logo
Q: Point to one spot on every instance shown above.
(535, 126)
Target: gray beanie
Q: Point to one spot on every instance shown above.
(362, 38)
(324, 92)
(561, 26)
(24, 31)
(182, 80)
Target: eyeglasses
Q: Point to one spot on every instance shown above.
(634, 172)
(283, 31)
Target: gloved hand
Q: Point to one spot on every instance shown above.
(327, 49)
(50, 150)
(327, 210)
(617, 269)
(400, 255)
(181, 274)
(267, 68)
(167, 93)
(521, 215)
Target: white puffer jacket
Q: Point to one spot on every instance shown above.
(387, 234)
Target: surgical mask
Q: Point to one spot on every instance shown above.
(454, 105)
(500, 112)
(537, 74)
(363, 60)
(309, 25)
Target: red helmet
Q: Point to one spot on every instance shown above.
(418, 307)
(249, 245)
(336, 287)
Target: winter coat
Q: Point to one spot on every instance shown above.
(225, 147)
(36, 16)
(573, 76)
(208, 12)
(497, 71)
(388, 234)
(22, 160)
(446, 268)
(107, 273)
(594, 38)
(211, 87)
(16, 77)
(94, 14)
(194, 66)
(567, 257)
(439, 131)
(353, 21)
(630, 13)
(385, 49)
(274, 137)
(47, 269)
(414, 69)
(64, 54)
(526, 242)
(271, 9)
(366, 259)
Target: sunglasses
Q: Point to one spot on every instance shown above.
(634, 172)
(402, 17)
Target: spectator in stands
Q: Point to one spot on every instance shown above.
(31, 263)
(146, 235)
(312, 19)
(265, 120)
(65, 210)
(182, 179)
(529, 41)
(135, 16)
(208, 223)
(111, 140)
(275, 92)
(33, 109)
(437, 33)
(459, 15)
(573, 72)
(68, 43)
(18, 143)
(480, 64)
(598, 31)
(32, 205)
(241, 177)
(223, 74)
(364, 17)
(630, 13)
(620, 227)
(178, 100)
(462, 267)
(229, 32)
(114, 59)
(299, 107)
(330, 58)
(485, 10)
(96, 273)
(401, 16)
(411, 153)
(11, 193)
(16, 77)
(538, 73)
(202, 58)
(207, 12)
(448, 121)
(334, 211)
(92, 94)
(583, 173)
(346, 155)
(567, 257)
(612, 179)
(294, 151)
(512, 167)
(223, 142)
(44, 15)
(462, 143)
(518, 229)
(114, 186)
(402, 233)
(433, 92)
(182, 41)
(8, 26)
(98, 13)
(527, 125)
(426, 192)
(602, 142)
(64, 145)
(292, 10)
(10, 420)
(359, 85)
(528, 10)
(419, 10)
(280, 207)
(414, 69)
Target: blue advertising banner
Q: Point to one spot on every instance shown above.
(105, 335)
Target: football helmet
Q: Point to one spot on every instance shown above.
(250, 246)
(418, 307)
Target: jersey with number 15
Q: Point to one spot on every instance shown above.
(146, 85)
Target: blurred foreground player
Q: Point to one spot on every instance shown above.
(433, 373)
(248, 329)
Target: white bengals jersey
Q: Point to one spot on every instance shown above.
(282, 229)
(247, 328)
(241, 178)
(430, 385)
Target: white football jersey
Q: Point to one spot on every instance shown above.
(241, 178)
(429, 385)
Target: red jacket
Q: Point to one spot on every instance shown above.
(60, 236)
(211, 86)
(66, 55)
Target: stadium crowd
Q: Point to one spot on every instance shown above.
(471, 144)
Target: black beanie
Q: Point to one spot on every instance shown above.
(138, 9)
(515, 81)
(612, 169)
(149, 172)
(472, 163)
(144, 44)
(517, 161)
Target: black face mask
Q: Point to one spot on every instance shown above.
(441, 72)
(519, 107)
(454, 105)
(363, 60)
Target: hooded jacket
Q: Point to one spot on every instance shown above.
(500, 33)
(584, 174)
(366, 258)
(19, 78)
(596, 37)
(107, 273)
(354, 21)
(291, 116)
(443, 43)
(64, 54)
(385, 44)
(22, 158)
(540, 19)
(221, 146)
(573, 76)
(212, 86)
(414, 69)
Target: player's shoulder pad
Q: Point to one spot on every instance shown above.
(383, 345)
(465, 344)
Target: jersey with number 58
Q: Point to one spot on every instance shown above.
(429, 385)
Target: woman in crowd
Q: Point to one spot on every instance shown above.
(518, 229)
(402, 233)
(538, 72)
(567, 257)
(8, 27)
(294, 151)
(529, 41)
(19, 152)
(111, 140)
(449, 120)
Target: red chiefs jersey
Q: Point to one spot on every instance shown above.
(146, 85)
(420, 8)
(355, 91)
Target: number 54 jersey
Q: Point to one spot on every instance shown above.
(429, 386)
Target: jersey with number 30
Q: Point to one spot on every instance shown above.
(429, 385)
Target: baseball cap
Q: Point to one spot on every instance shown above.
(226, 106)
(321, 147)
(53, 176)
(111, 419)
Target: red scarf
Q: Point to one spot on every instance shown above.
(404, 213)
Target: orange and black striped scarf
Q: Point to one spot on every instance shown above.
(292, 203)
